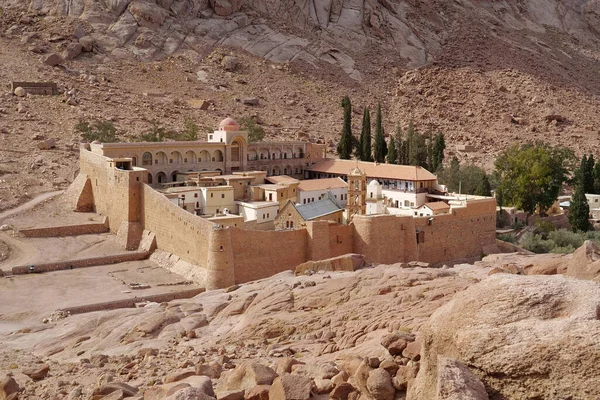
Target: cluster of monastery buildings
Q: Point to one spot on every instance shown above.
(278, 185)
(219, 210)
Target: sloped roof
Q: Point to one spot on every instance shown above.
(322, 184)
(281, 179)
(318, 208)
(436, 205)
(374, 170)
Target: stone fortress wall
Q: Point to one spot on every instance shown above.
(232, 255)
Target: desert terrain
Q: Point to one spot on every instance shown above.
(485, 73)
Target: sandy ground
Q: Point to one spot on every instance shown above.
(27, 299)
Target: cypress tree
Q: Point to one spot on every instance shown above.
(344, 147)
(365, 137)
(429, 147)
(588, 177)
(439, 146)
(401, 148)
(392, 155)
(579, 211)
(380, 147)
(596, 176)
(483, 187)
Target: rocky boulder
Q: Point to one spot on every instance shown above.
(246, 376)
(8, 386)
(52, 59)
(538, 338)
(585, 262)
(456, 382)
(226, 7)
(38, 372)
(290, 387)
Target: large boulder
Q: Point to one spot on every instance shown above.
(379, 385)
(8, 386)
(246, 376)
(523, 336)
(226, 7)
(456, 382)
(585, 262)
(290, 387)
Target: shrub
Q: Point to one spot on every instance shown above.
(102, 131)
(563, 250)
(544, 228)
(256, 133)
(536, 244)
(565, 238)
(508, 237)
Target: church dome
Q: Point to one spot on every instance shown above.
(229, 124)
(374, 182)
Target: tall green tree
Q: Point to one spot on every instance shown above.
(429, 147)
(392, 155)
(596, 175)
(380, 147)
(401, 147)
(579, 211)
(468, 179)
(366, 153)
(437, 159)
(417, 150)
(346, 143)
(531, 176)
(588, 173)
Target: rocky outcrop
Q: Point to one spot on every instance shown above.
(313, 32)
(585, 262)
(537, 337)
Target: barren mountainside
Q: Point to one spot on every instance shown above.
(486, 73)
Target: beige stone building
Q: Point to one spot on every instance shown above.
(295, 216)
(226, 150)
(402, 188)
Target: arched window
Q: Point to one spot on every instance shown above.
(147, 158)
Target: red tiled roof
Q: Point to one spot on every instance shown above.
(374, 170)
(321, 184)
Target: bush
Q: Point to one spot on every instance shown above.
(508, 237)
(536, 244)
(544, 228)
(565, 238)
(102, 131)
(563, 250)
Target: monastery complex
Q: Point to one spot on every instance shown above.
(225, 211)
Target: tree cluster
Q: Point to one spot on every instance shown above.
(465, 179)
(530, 176)
(411, 149)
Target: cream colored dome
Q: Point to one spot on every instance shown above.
(229, 124)
(374, 182)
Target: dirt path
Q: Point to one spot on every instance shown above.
(20, 252)
(30, 204)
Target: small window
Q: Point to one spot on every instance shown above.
(268, 216)
(170, 161)
(195, 194)
(211, 195)
(222, 195)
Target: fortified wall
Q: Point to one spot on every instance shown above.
(226, 256)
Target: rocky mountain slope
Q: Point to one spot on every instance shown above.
(486, 73)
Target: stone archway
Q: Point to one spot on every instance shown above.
(161, 177)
